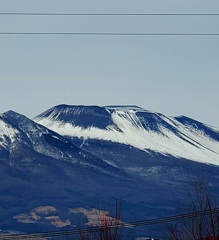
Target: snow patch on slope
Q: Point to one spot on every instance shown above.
(7, 133)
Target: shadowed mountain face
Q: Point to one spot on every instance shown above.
(69, 156)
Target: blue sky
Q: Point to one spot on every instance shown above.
(174, 75)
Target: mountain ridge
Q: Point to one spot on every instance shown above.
(137, 127)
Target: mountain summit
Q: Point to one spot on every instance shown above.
(131, 125)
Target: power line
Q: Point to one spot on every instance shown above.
(107, 14)
(109, 33)
(116, 226)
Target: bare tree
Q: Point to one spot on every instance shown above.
(107, 226)
(203, 222)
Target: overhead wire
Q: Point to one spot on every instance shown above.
(115, 226)
(108, 33)
(107, 14)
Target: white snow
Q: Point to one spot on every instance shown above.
(190, 144)
(7, 131)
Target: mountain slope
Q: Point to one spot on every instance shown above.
(85, 153)
(40, 168)
(17, 130)
(148, 131)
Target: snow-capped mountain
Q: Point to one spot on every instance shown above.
(68, 156)
(180, 137)
(17, 132)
